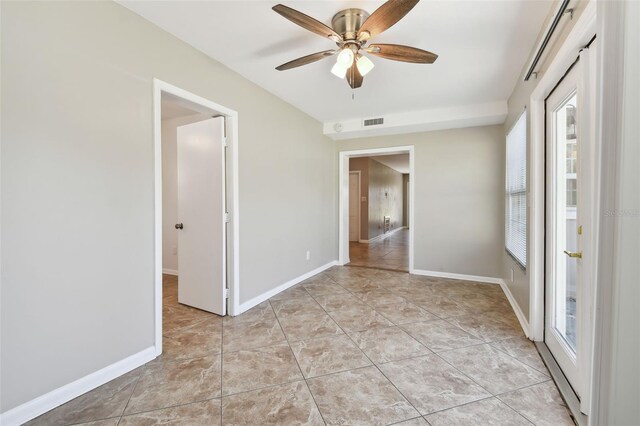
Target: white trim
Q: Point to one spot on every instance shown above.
(40, 405)
(516, 308)
(582, 32)
(359, 174)
(343, 196)
(454, 276)
(456, 117)
(269, 294)
(168, 271)
(382, 236)
(231, 121)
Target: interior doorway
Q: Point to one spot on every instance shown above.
(196, 248)
(376, 208)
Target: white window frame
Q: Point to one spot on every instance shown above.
(515, 187)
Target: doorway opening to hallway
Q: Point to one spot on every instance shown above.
(196, 257)
(376, 217)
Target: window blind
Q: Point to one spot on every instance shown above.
(516, 191)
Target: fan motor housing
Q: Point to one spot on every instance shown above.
(347, 22)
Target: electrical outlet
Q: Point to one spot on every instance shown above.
(308, 255)
(174, 250)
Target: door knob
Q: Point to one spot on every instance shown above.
(179, 226)
(572, 254)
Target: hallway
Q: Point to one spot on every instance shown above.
(389, 253)
(348, 346)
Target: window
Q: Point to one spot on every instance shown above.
(516, 191)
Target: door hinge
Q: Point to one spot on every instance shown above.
(225, 142)
(227, 218)
(225, 293)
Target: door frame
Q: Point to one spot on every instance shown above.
(359, 173)
(232, 192)
(579, 37)
(343, 196)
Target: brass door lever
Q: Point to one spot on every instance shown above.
(572, 254)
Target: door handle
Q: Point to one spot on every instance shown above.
(572, 254)
(179, 226)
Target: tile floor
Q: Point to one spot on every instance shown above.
(391, 253)
(350, 346)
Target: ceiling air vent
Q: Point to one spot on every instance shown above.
(373, 122)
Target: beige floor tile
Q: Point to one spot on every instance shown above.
(108, 400)
(249, 334)
(443, 307)
(384, 344)
(323, 287)
(106, 422)
(523, 350)
(358, 318)
(332, 302)
(204, 338)
(288, 404)
(179, 382)
(309, 326)
(378, 297)
(489, 412)
(419, 421)
(258, 368)
(291, 293)
(492, 369)
(485, 328)
(404, 313)
(203, 413)
(326, 355)
(300, 305)
(439, 335)
(541, 404)
(431, 384)
(360, 397)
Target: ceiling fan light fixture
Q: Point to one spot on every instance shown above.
(346, 57)
(364, 65)
(339, 71)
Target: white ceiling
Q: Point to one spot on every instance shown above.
(482, 47)
(397, 162)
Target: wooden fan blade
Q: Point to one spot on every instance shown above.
(354, 78)
(386, 16)
(306, 60)
(307, 22)
(398, 52)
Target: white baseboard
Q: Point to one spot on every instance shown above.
(382, 236)
(516, 308)
(476, 278)
(40, 405)
(264, 296)
(170, 271)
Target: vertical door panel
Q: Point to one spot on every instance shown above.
(201, 207)
(354, 204)
(563, 225)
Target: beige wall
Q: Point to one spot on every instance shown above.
(405, 199)
(518, 101)
(385, 197)
(362, 165)
(459, 197)
(77, 186)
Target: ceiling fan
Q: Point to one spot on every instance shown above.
(351, 30)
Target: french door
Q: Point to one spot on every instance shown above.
(565, 210)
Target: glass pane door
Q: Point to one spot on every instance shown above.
(563, 231)
(566, 235)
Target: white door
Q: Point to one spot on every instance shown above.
(201, 213)
(354, 206)
(565, 310)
